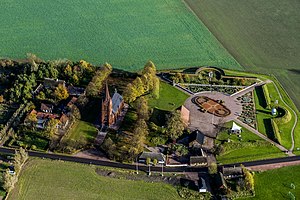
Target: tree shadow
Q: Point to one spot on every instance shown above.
(269, 129)
(261, 97)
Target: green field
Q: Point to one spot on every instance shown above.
(275, 184)
(124, 33)
(46, 179)
(82, 130)
(263, 36)
(170, 98)
(250, 148)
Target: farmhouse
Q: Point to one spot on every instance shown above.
(197, 139)
(75, 91)
(47, 108)
(232, 172)
(111, 107)
(198, 161)
(53, 83)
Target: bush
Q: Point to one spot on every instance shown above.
(186, 193)
(158, 141)
(276, 131)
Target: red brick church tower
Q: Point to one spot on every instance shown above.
(106, 112)
(111, 107)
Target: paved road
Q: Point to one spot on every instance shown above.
(266, 162)
(101, 162)
(145, 168)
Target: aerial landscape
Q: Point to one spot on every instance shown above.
(139, 99)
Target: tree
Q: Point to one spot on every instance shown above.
(148, 161)
(130, 93)
(142, 108)
(213, 168)
(41, 96)
(139, 86)
(51, 127)
(155, 161)
(32, 119)
(249, 179)
(155, 90)
(175, 125)
(9, 181)
(24, 155)
(1, 99)
(61, 92)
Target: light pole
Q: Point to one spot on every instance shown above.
(162, 169)
(137, 166)
(210, 75)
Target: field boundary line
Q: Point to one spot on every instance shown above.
(219, 41)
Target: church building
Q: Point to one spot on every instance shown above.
(111, 107)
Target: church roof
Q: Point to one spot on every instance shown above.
(116, 102)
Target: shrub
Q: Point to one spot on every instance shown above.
(276, 131)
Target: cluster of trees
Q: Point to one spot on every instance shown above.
(128, 144)
(61, 92)
(175, 125)
(77, 73)
(10, 179)
(147, 83)
(94, 87)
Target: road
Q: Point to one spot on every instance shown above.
(143, 167)
(102, 163)
(266, 162)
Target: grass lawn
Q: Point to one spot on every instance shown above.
(250, 148)
(170, 98)
(84, 130)
(262, 112)
(275, 184)
(261, 36)
(124, 33)
(47, 179)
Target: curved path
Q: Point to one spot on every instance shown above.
(296, 118)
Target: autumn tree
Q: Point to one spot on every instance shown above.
(1, 99)
(139, 86)
(130, 93)
(9, 181)
(51, 127)
(61, 92)
(142, 108)
(175, 125)
(155, 90)
(94, 87)
(32, 119)
(213, 168)
(249, 179)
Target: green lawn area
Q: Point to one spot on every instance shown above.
(170, 98)
(286, 129)
(124, 33)
(47, 179)
(250, 148)
(275, 184)
(82, 129)
(261, 36)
